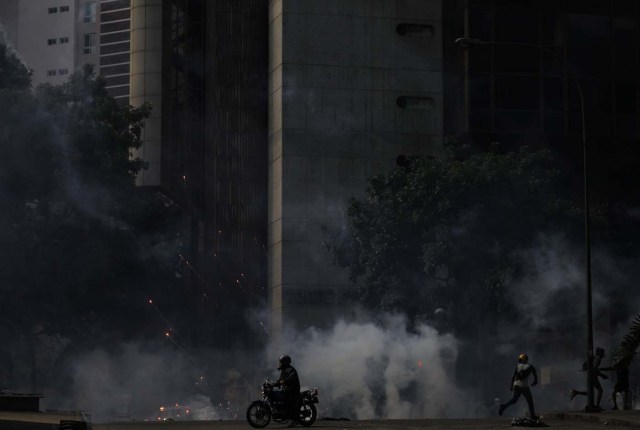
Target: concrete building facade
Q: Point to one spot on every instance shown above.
(43, 33)
(266, 151)
(352, 85)
(111, 42)
(58, 37)
(142, 82)
(214, 152)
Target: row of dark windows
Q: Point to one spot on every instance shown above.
(89, 11)
(587, 7)
(115, 16)
(114, 59)
(115, 48)
(55, 41)
(526, 92)
(560, 123)
(60, 9)
(54, 72)
(114, 70)
(112, 81)
(118, 91)
(115, 26)
(115, 37)
(107, 6)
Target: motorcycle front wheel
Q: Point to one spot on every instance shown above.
(258, 415)
(308, 414)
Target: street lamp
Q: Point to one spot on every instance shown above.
(467, 42)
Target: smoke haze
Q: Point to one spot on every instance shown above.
(367, 370)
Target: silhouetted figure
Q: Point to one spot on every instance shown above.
(290, 384)
(621, 386)
(597, 373)
(520, 385)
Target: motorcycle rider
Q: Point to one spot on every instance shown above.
(290, 384)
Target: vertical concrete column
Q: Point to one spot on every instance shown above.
(274, 255)
(146, 81)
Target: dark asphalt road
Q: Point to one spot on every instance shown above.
(556, 422)
(610, 420)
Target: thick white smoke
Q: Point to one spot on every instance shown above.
(134, 383)
(365, 371)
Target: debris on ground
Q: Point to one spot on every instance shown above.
(528, 422)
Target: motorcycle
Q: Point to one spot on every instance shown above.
(271, 406)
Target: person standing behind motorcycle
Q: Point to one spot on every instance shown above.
(290, 384)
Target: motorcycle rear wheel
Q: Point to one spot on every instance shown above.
(308, 414)
(258, 415)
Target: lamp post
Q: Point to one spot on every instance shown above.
(466, 42)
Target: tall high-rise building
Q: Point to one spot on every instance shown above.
(55, 38)
(352, 85)
(43, 34)
(265, 151)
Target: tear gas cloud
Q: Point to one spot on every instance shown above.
(367, 370)
(134, 381)
(364, 370)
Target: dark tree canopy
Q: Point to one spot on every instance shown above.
(81, 246)
(442, 232)
(625, 352)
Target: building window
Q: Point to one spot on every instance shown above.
(63, 40)
(63, 71)
(51, 72)
(64, 8)
(53, 10)
(89, 43)
(90, 12)
(51, 41)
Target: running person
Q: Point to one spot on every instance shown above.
(520, 385)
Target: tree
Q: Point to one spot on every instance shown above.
(625, 352)
(440, 232)
(81, 246)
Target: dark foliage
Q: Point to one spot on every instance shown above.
(442, 233)
(82, 248)
(624, 354)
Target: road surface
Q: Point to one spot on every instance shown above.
(557, 422)
(609, 420)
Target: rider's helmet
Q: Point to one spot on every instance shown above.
(523, 358)
(284, 361)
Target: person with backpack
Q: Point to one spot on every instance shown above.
(520, 385)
